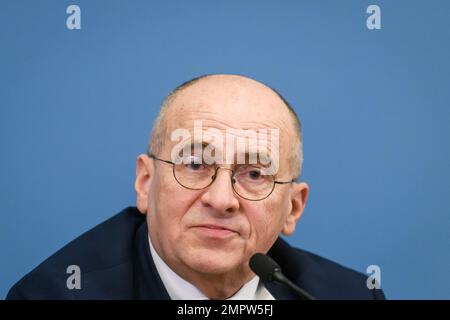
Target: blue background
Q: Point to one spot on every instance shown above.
(77, 108)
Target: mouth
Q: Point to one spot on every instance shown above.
(215, 231)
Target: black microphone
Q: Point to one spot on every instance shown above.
(268, 270)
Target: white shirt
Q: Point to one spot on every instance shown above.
(180, 289)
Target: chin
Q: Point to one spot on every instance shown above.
(212, 261)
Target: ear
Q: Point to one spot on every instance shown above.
(144, 170)
(299, 195)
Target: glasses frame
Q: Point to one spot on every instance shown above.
(213, 178)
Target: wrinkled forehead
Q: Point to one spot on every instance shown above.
(229, 102)
(235, 126)
(227, 146)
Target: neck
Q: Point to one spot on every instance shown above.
(217, 286)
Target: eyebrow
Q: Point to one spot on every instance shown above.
(258, 155)
(197, 144)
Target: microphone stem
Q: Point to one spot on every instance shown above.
(278, 276)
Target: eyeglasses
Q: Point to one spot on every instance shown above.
(250, 182)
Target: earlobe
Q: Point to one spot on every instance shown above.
(142, 182)
(299, 196)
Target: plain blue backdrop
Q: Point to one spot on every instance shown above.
(77, 108)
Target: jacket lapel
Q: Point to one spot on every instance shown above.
(147, 283)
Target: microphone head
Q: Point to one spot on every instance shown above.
(264, 266)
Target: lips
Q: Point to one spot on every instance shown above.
(215, 231)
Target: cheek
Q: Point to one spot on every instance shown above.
(168, 202)
(266, 220)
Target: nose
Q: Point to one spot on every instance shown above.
(220, 195)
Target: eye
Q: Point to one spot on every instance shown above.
(193, 163)
(254, 174)
(250, 174)
(194, 166)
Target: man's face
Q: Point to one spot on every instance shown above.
(213, 231)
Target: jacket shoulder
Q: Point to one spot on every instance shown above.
(106, 248)
(321, 277)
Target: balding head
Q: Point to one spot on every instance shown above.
(231, 88)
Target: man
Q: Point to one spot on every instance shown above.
(217, 186)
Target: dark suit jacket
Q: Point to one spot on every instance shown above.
(116, 263)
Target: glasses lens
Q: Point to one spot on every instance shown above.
(194, 175)
(253, 183)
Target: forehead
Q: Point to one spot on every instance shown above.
(231, 103)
